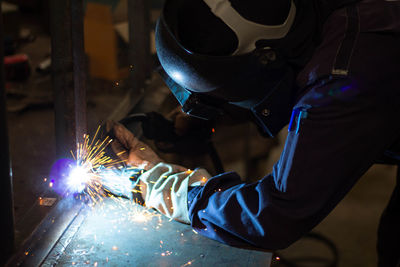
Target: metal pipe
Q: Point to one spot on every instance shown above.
(6, 199)
(139, 43)
(68, 74)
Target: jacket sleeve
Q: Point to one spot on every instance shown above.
(335, 135)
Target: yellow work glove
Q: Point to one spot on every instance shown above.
(165, 188)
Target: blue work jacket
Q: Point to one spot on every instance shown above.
(346, 115)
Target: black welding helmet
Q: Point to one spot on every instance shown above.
(248, 72)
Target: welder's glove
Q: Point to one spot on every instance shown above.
(165, 188)
(137, 154)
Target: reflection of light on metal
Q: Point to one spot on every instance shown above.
(47, 201)
(137, 214)
(177, 76)
(166, 253)
(140, 218)
(188, 263)
(117, 181)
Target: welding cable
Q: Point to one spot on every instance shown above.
(284, 261)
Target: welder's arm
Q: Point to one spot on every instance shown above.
(333, 140)
(163, 186)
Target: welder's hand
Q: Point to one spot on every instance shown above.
(137, 154)
(165, 188)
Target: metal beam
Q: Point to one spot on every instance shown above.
(6, 199)
(139, 44)
(79, 68)
(68, 74)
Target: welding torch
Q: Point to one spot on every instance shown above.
(162, 131)
(151, 124)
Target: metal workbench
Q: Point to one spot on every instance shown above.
(118, 235)
(121, 233)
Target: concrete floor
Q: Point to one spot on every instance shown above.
(352, 225)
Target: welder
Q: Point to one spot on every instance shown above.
(330, 70)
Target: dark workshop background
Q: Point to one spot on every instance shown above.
(31, 124)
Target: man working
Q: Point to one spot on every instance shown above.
(329, 69)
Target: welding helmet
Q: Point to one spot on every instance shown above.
(251, 73)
